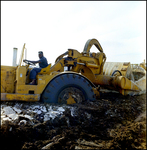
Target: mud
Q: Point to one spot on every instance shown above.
(113, 121)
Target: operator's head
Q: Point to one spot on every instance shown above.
(40, 53)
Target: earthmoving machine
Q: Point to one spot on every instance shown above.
(75, 77)
(143, 65)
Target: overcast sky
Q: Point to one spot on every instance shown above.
(55, 26)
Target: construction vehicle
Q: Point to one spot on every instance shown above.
(75, 77)
(143, 65)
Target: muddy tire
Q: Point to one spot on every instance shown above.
(58, 90)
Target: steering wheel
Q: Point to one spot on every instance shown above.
(28, 62)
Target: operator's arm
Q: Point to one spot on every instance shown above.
(34, 62)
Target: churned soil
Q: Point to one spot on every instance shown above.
(113, 121)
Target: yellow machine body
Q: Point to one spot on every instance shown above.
(14, 84)
(90, 66)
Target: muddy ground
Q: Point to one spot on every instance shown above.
(113, 121)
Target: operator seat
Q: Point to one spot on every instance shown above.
(45, 70)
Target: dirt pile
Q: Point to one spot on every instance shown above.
(113, 121)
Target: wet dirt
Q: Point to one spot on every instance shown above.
(113, 121)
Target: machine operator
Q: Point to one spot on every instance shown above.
(42, 64)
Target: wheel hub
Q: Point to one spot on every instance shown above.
(71, 95)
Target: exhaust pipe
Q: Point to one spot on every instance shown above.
(14, 57)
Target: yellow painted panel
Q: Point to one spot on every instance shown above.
(20, 97)
(110, 67)
(8, 76)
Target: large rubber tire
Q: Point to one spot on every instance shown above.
(67, 82)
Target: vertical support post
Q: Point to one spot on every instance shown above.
(14, 56)
(22, 55)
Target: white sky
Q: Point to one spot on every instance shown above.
(55, 26)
